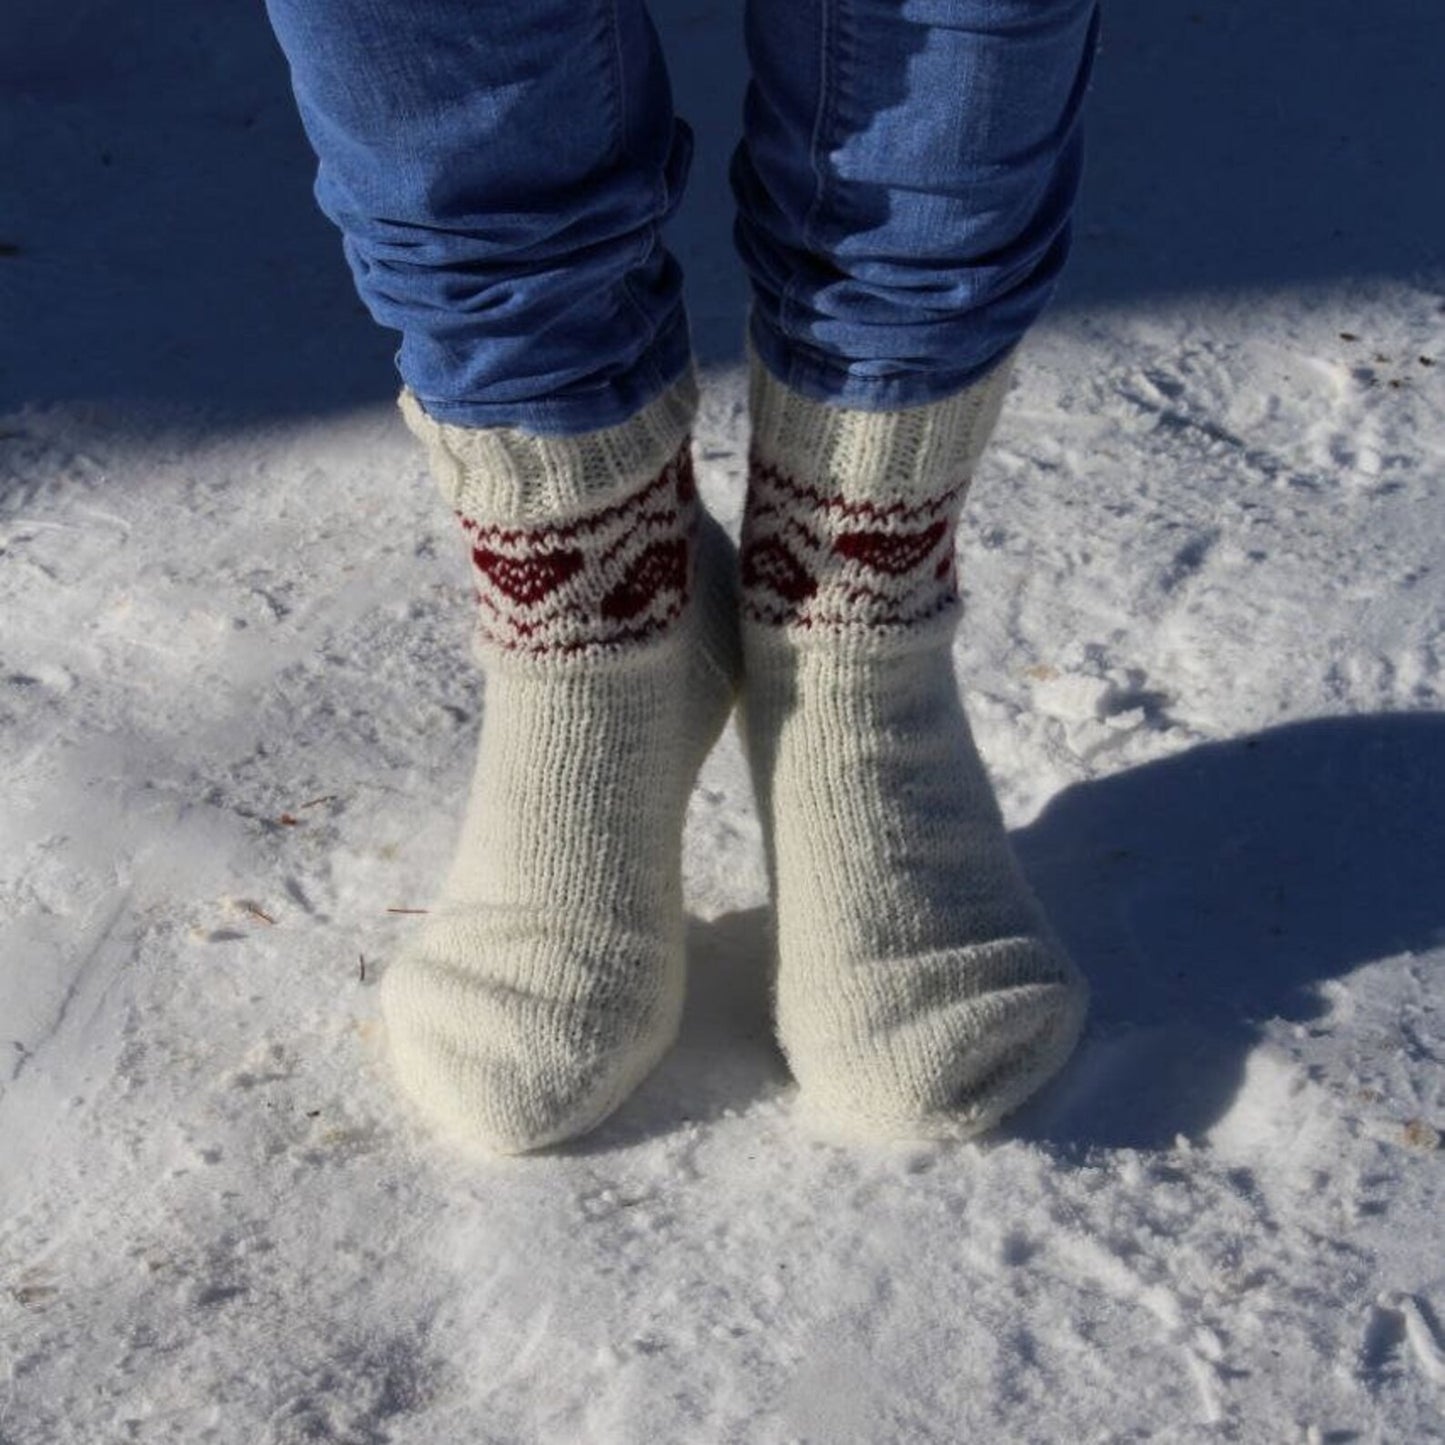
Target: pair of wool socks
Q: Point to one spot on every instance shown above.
(918, 991)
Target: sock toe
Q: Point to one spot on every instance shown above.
(514, 1032)
(939, 1061)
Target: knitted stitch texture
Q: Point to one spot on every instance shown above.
(548, 979)
(918, 989)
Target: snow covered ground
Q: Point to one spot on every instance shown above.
(1203, 652)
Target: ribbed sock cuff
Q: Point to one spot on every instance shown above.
(503, 474)
(873, 455)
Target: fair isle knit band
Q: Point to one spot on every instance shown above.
(569, 552)
(851, 514)
(600, 580)
(810, 560)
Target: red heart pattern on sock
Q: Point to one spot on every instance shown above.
(896, 553)
(527, 580)
(597, 580)
(811, 558)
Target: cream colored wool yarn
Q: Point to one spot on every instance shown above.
(918, 990)
(548, 979)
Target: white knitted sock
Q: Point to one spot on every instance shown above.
(548, 980)
(918, 991)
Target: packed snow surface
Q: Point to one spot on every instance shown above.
(1202, 651)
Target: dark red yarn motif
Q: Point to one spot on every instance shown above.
(769, 563)
(661, 568)
(614, 576)
(527, 580)
(896, 553)
(813, 559)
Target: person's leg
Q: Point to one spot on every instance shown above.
(904, 195)
(904, 186)
(499, 173)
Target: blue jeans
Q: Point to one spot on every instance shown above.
(501, 171)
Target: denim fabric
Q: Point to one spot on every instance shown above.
(501, 173)
(904, 186)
